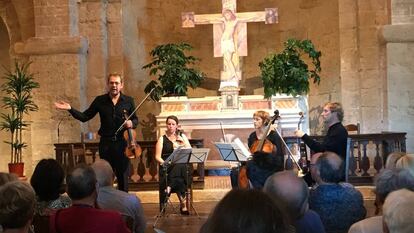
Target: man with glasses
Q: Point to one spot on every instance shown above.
(111, 107)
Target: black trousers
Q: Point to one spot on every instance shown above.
(113, 152)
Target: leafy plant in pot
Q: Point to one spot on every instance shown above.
(174, 71)
(18, 98)
(287, 73)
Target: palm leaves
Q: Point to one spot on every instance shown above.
(18, 88)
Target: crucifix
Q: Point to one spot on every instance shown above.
(230, 42)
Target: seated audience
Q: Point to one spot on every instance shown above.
(398, 209)
(243, 211)
(290, 193)
(16, 207)
(47, 181)
(406, 162)
(338, 204)
(7, 177)
(83, 216)
(386, 182)
(392, 159)
(111, 198)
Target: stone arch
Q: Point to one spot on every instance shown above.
(18, 17)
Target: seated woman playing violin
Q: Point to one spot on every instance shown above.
(177, 180)
(266, 146)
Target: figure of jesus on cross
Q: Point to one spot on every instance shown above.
(230, 37)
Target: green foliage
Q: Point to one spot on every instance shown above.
(287, 73)
(18, 99)
(171, 65)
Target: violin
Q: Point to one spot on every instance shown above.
(132, 150)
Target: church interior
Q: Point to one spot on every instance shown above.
(72, 45)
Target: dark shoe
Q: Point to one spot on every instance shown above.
(184, 212)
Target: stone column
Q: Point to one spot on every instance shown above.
(363, 63)
(399, 37)
(58, 56)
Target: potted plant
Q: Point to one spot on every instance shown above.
(172, 66)
(18, 98)
(287, 73)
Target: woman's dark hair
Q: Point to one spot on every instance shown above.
(172, 117)
(47, 179)
(245, 211)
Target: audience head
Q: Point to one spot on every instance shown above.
(289, 192)
(81, 182)
(104, 173)
(312, 164)
(392, 159)
(7, 177)
(398, 207)
(47, 180)
(389, 180)
(16, 205)
(245, 211)
(406, 162)
(329, 168)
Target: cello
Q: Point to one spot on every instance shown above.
(264, 145)
(132, 150)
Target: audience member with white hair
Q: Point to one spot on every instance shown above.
(17, 205)
(387, 181)
(111, 198)
(398, 209)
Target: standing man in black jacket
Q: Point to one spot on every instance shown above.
(111, 107)
(335, 139)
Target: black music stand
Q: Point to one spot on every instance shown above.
(178, 156)
(233, 152)
(197, 155)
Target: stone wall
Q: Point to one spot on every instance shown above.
(400, 72)
(4, 62)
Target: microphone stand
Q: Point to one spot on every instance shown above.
(58, 129)
(132, 113)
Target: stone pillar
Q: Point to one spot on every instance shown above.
(58, 56)
(399, 37)
(363, 79)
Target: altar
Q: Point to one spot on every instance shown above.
(207, 119)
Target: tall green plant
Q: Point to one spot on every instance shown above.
(287, 73)
(172, 67)
(18, 99)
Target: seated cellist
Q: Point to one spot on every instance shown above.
(266, 147)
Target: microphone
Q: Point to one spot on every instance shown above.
(58, 128)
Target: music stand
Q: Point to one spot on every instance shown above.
(233, 152)
(197, 155)
(178, 156)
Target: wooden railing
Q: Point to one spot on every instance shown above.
(144, 169)
(367, 157)
(367, 153)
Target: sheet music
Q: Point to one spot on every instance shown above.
(235, 151)
(242, 147)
